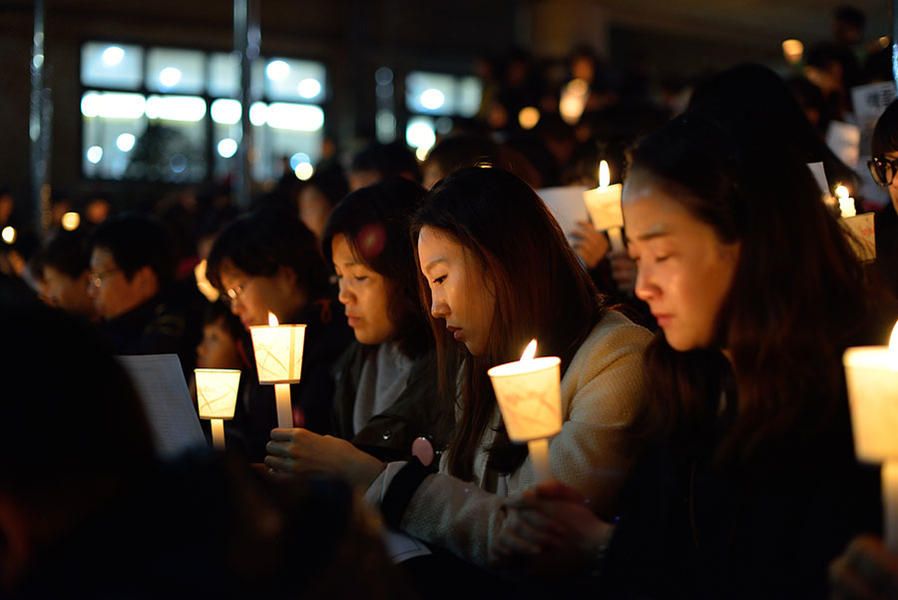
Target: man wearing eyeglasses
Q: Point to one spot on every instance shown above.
(883, 167)
(131, 269)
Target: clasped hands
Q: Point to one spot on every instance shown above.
(296, 450)
(550, 530)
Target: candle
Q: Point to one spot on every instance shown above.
(216, 397)
(603, 204)
(846, 202)
(871, 374)
(278, 351)
(529, 396)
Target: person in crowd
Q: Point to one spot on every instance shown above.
(848, 25)
(221, 346)
(883, 167)
(491, 288)
(835, 70)
(65, 265)
(376, 162)
(113, 521)
(756, 103)
(132, 272)
(867, 569)
(385, 398)
(749, 485)
(456, 152)
(319, 195)
(269, 262)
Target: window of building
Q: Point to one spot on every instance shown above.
(146, 113)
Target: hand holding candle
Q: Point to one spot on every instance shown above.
(278, 350)
(871, 374)
(603, 204)
(529, 396)
(216, 396)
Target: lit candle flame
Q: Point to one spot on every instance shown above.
(841, 191)
(604, 174)
(530, 350)
(893, 340)
(272, 320)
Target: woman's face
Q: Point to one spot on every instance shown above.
(365, 294)
(252, 296)
(461, 293)
(684, 270)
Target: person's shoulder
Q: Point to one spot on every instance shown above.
(614, 329)
(613, 338)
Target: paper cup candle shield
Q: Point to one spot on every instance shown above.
(603, 204)
(216, 396)
(529, 396)
(871, 374)
(278, 351)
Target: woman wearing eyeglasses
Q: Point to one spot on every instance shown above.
(268, 261)
(883, 168)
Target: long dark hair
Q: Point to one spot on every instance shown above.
(375, 221)
(797, 298)
(757, 105)
(541, 292)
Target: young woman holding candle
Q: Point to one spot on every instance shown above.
(750, 484)
(384, 396)
(268, 262)
(497, 272)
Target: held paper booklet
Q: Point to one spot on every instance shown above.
(159, 382)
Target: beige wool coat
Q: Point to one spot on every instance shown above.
(600, 394)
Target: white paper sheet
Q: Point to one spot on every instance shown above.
(844, 139)
(160, 383)
(819, 174)
(401, 547)
(567, 206)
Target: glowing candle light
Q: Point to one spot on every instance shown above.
(9, 234)
(216, 397)
(871, 373)
(529, 396)
(603, 204)
(70, 221)
(278, 350)
(846, 202)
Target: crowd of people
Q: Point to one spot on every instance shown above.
(706, 448)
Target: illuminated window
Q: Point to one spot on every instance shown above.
(146, 113)
(176, 71)
(299, 80)
(440, 94)
(111, 65)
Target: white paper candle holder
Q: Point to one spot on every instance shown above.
(216, 395)
(529, 396)
(278, 350)
(604, 206)
(871, 375)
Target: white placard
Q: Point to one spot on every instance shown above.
(819, 174)
(844, 139)
(160, 384)
(567, 206)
